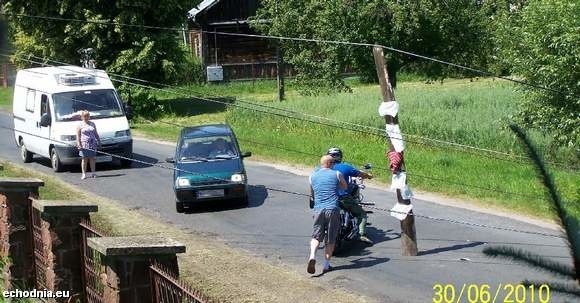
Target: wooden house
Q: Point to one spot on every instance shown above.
(240, 57)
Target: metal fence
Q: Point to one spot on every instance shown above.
(91, 265)
(167, 288)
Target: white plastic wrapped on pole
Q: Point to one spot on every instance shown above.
(401, 211)
(390, 108)
(406, 193)
(399, 180)
(394, 133)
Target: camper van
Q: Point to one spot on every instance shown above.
(47, 105)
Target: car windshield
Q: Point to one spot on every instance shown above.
(207, 149)
(102, 103)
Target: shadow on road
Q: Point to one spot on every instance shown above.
(449, 248)
(362, 262)
(379, 235)
(115, 165)
(357, 248)
(257, 196)
(146, 159)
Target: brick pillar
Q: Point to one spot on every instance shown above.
(58, 241)
(15, 229)
(127, 259)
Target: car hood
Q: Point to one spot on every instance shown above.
(211, 171)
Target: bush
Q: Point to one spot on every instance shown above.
(144, 103)
(540, 44)
(190, 70)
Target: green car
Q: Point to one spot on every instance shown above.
(208, 166)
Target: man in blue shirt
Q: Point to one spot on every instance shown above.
(324, 186)
(347, 201)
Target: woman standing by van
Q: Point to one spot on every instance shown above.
(87, 142)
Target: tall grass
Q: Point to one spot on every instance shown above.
(433, 169)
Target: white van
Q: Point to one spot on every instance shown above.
(47, 103)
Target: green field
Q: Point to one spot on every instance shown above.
(471, 112)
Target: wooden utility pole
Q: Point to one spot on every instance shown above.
(280, 70)
(408, 232)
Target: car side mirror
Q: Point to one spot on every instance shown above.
(368, 166)
(45, 120)
(246, 154)
(128, 110)
(170, 160)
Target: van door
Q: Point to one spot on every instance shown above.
(43, 131)
(31, 135)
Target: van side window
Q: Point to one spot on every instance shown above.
(30, 98)
(44, 105)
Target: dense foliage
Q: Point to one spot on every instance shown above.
(541, 44)
(456, 31)
(133, 51)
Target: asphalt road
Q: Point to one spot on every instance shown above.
(276, 226)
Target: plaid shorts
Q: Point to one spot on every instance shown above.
(326, 220)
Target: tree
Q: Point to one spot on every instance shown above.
(540, 43)
(450, 30)
(569, 224)
(150, 54)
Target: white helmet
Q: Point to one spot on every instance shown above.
(335, 153)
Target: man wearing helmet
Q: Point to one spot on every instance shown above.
(346, 199)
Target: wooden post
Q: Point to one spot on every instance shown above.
(280, 71)
(408, 232)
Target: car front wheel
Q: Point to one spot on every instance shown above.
(179, 207)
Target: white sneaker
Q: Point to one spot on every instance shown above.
(83, 176)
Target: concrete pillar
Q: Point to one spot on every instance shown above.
(58, 243)
(15, 229)
(126, 260)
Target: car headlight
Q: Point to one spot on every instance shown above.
(123, 133)
(180, 182)
(238, 178)
(68, 138)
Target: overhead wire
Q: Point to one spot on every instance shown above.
(287, 191)
(324, 41)
(301, 152)
(320, 41)
(353, 126)
(280, 190)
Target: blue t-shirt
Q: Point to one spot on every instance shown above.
(348, 171)
(325, 183)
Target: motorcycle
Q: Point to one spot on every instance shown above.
(349, 231)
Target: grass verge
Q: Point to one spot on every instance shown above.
(6, 98)
(219, 271)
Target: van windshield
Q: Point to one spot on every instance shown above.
(101, 103)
